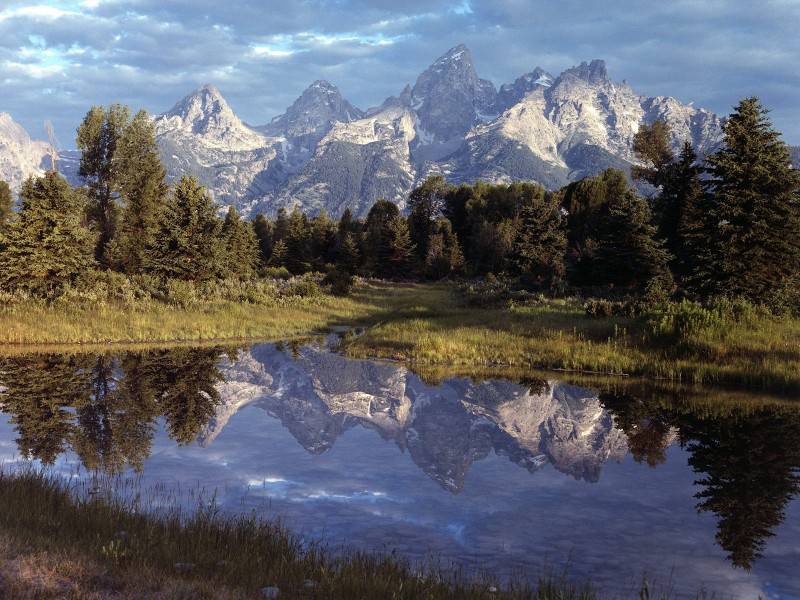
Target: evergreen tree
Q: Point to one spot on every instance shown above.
(754, 213)
(188, 244)
(323, 239)
(46, 246)
(541, 244)
(6, 204)
(651, 144)
(298, 243)
(278, 256)
(444, 255)
(241, 246)
(348, 258)
(425, 203)
(281, 229)
(97, 140)
(628, 255)
(397, 254)
(264, 235)
(375, 240)
(140, 177)
(680, 219)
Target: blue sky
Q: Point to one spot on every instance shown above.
(58, 57)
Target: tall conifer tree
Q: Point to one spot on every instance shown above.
(47, 245)
(188, 244)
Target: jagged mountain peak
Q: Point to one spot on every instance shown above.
(204, 111)
(511, 93)
(449, 97)
(314, 112)
(592, 72)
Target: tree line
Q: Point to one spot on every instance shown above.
(724, 226)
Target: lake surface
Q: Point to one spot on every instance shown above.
(697, 490)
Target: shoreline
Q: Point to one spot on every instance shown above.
(429, 325)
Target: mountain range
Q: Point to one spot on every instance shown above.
(325, 153)
(318, 395)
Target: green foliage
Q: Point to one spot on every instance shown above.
(444, 256)
(397, 250)
(611, 236)
(140, 178)
(340, 282)
(425, 203)
(188, 244)
(750, 222)
(6, 204)
(348, 257)
(97, 139)
(264, 234)
(651, 144)
(46, 246)
(241, 246)
(541, 243)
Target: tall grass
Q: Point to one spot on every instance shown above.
(433, 326)
(240, 553)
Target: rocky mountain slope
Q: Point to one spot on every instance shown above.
(20, 156)
(318, 395)
(324, 153)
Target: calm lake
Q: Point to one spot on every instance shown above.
(607, 481)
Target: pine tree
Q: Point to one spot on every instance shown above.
(241, 246)
(46, 246)
(348, 258)
(188, 244)
(541, 244)
(375, 238)
(628, 254)
(298, 243)
(6, 204)
(323, 239)
(140, 177)
(278, 256)
(651, 145)
(425, 203)
(444, 255)
(97, 140)
(264, 235)
(397, 254)
(754, 213)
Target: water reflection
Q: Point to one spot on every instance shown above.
(106, 409)
(748, 463)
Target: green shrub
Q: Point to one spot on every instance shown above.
(340, 282)
(181, 293)
(685, 322)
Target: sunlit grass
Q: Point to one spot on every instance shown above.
(436, 328)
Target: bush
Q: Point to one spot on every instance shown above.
(601, 309)
(340, 282)
(685, 322)
(304, 287)
(181, 293)
(276, 273)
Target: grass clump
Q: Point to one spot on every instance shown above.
(241, 554)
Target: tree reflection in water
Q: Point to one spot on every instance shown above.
(748, 462)
(104, 408)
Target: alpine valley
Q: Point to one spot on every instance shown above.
(324, 153)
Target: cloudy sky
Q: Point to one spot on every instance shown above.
(58, 57)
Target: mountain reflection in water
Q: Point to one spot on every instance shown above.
(106, 410)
